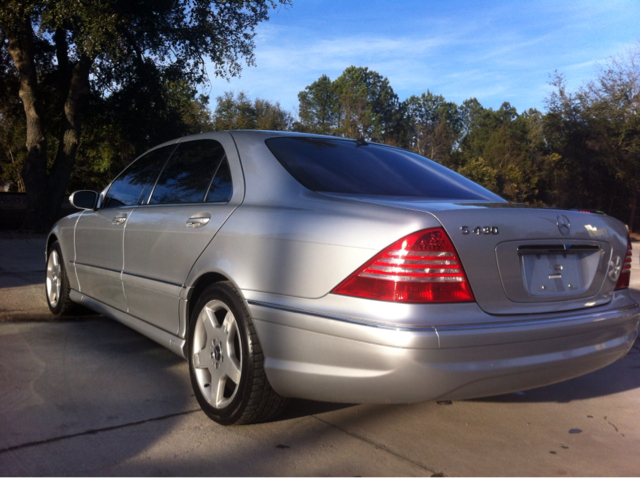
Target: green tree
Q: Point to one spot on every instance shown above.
(360, 103)
(234, 112)
(63, 51)
(12, 131)
(239, 112)
(434, 126)
(498, 150)
(578, 177)
(612, 106)
(319, 107)
(270, 116)
(368, 106)
(123, 125)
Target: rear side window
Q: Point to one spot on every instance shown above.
(343, 166)
(135, 183)
(188, 174)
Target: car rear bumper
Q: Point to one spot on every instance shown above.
(320, 356)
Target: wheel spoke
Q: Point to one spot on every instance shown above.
(219, 397)
(210, 325)
(201, 359)
(229, 323)
(233, 369)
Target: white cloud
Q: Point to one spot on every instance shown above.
(495, 52)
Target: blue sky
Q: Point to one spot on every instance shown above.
(494, 51)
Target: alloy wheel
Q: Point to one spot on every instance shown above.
(54, 278)
(217, 354)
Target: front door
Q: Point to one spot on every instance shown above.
(99, 258)
(99, 235)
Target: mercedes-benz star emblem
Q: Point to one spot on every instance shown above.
(564, 225)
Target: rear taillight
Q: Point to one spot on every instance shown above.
(625, 272)
(421, 267)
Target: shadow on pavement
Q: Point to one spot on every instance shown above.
(612, 379)
(304, 408)
(59, 382)
(22, 279)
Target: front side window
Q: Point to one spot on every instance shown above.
(187, 176)
(345, 166)
(133, 186)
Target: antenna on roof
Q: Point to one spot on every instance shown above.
(361, 142)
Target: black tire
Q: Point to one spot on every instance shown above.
(226, 360)
(57, 286)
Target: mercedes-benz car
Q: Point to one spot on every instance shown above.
(285, 265)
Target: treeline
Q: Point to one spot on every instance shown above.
(582, 152)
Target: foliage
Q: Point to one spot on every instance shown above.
(319, 107)
(134, 58)
(360, 103)
(239, 112)
(583, 152)
(12, 134)
(118, 130)
(433, 125)
(88, 85)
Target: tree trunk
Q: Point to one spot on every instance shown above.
(46, 191)
(69, 137)
(34, 171)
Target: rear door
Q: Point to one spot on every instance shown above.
(196, 192)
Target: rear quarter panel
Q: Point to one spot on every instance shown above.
(285, 239)
(305, 248)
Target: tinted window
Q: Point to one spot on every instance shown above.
(135, 183)
(342, 166)
(221, 188)
(188, 173)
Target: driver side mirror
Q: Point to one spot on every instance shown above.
(84, 199)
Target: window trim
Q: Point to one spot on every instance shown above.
(204, 197)
(143, 203)
(146, 203)
(206, 193)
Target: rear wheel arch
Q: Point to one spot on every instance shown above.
(199, 286)
(226, 362)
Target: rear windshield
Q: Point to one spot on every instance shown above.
(344, 166)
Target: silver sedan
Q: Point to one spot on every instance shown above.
(284, 265)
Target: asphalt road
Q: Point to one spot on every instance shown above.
(91, 397)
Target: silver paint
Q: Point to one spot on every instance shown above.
(285, 249)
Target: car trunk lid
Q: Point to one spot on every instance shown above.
(526, 260)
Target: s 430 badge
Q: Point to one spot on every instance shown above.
(480, 230)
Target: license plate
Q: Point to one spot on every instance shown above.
(553, 274)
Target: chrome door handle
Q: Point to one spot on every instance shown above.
(199, 220)
(119, 219)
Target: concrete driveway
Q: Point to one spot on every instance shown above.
(91, 397)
